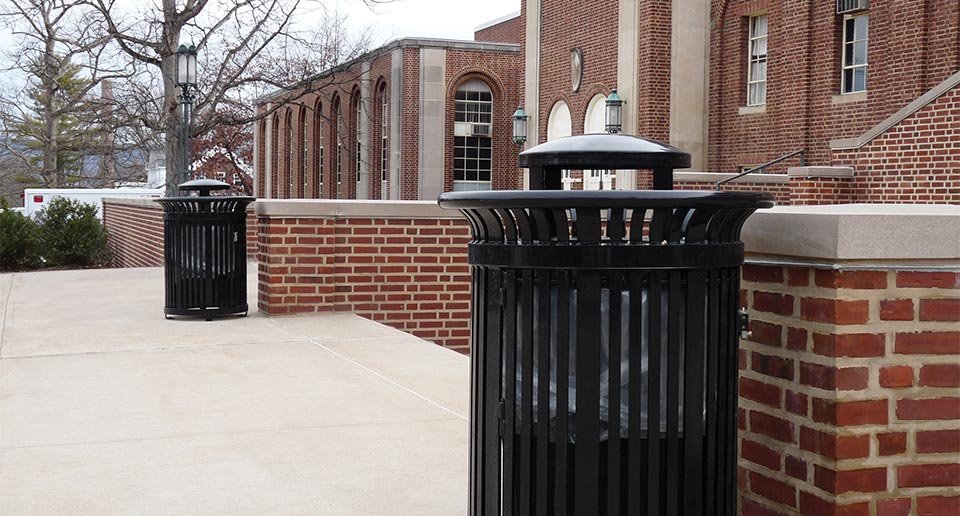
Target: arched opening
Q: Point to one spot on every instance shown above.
(383, 112)
(304, 148)
(595, 123)
(559, 125)
(357, 115)
(472, 136)
(275, 157)
(318, 150)
(288, 166)
(338, 145)
(261, 182)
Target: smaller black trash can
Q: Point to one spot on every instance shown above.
(205, 251)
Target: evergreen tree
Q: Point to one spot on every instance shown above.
(58, 127)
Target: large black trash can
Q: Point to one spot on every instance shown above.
(604, 350)
(205, 251)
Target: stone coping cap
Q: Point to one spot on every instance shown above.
(144, 202)
(839, 172)
(851, 232)
(351, 208)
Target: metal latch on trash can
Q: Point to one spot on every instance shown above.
(743, 324)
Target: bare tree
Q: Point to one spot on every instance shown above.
(57, 121)
(245, 48)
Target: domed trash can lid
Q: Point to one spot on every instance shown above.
(203, 187)
(604, 151)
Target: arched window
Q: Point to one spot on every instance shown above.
(275, 157)
(318, 149)
(384, 143)
(357, 143)
(338, 137)
(288, 165)
(559, 125)
(595, 122)
(304, 147)
(472, 142)
(261, 187)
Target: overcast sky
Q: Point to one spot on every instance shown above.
(450, 19)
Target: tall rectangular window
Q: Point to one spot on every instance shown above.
(855, 53)
(757, 62)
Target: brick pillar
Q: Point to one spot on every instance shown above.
(820, 185)
(850, 392)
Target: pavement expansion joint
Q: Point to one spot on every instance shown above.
(191, 435)
(319, 344)
(157, 349)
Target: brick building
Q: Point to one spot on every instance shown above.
(871, 87)
(408, 120)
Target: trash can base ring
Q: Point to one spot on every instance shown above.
(206, 312)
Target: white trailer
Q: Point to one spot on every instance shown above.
(36, 199)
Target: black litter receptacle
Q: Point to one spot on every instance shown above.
(604, 345)
(205, 253)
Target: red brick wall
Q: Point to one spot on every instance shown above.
(780, 191)
(850, 392)
(507, 31)
(565, 26)
(913, 46)
(819, 190)
(408, 273)
(916, 161)
(136, 232)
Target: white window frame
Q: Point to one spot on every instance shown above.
(473, 110)
(846, 67)
(757, 87)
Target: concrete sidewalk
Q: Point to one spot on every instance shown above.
(106, 408)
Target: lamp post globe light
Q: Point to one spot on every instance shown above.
(519, 127)
(186, 78)
(614, 112)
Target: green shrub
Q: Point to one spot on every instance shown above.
(18, 240)
(71, 234)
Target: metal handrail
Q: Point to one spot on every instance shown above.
(765, 165)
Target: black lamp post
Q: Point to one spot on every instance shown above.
(614, 112)
(519, 127)
(186, 78)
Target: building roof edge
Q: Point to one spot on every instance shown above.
(454, 44)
